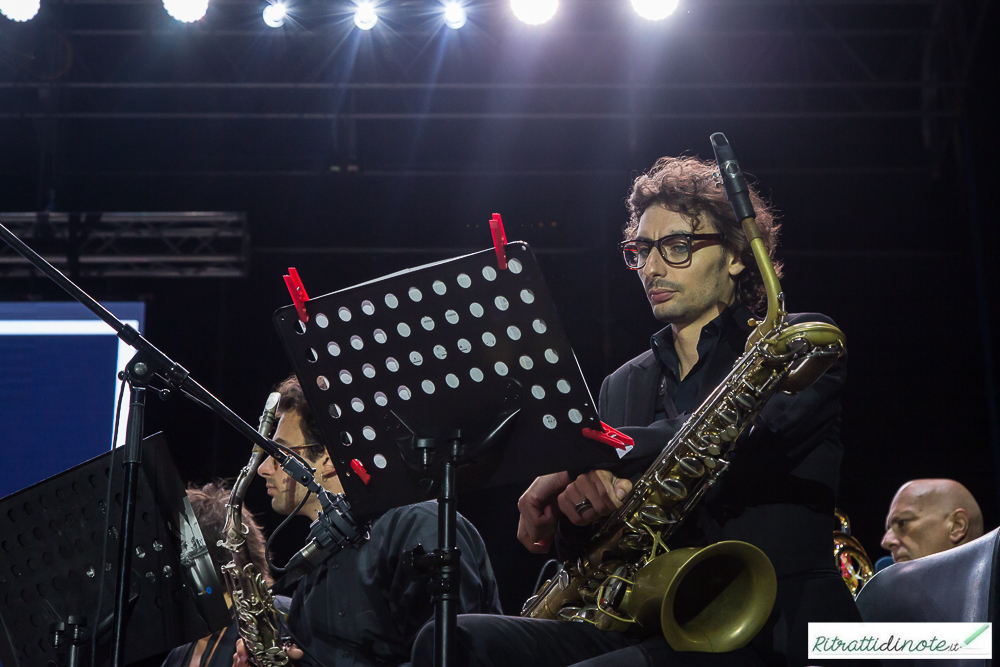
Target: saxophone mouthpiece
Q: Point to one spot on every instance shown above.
(737, 190)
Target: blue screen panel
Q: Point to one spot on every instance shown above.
(58, 386)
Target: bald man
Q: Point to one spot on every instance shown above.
(928, 516)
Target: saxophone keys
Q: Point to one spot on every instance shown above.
(728, 416)
(744, 401)
(657, 516)
(730, 433)
(691, 466)
(673, 487)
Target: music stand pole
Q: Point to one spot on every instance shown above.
(132, 461)
(450, 571)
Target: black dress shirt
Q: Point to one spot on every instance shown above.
(364, 606)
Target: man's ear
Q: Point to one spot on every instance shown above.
(958, 526)
(326, 469)
(736, 266)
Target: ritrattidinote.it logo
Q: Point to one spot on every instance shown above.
(901, 640)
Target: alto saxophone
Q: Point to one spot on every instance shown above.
(717, 598)
(252, 600)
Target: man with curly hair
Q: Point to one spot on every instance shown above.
(701, 280)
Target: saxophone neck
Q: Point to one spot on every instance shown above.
(775, 299)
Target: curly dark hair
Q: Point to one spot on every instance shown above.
(293, 399)
(686, 185)
(209, 505)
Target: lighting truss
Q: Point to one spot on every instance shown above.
(148, 245)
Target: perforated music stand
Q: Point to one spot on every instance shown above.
(51, 548)
(436, 348)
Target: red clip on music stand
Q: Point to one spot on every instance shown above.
(298, 292)
(609, 436)
(499, 240)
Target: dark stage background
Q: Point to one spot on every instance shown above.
(870, 124)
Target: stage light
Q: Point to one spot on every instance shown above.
(19, 10)
(654, 10)
(534, 12)
(365, 18)
(454, 15)
(186, 11)
(274, 14)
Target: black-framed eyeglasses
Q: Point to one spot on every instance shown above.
(675, 249)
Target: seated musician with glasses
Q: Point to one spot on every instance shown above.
(697, 269)
(362, 606)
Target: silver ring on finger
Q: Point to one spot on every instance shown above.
(582, 507)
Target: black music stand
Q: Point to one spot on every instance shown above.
(418, 373)
(51, 555)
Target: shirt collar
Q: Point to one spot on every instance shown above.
(733, 321)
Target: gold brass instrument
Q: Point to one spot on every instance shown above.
(855, 565)
(714, 599)
(252, 600)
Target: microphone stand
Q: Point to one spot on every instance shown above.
(148, 362)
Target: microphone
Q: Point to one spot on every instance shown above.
(333, 531)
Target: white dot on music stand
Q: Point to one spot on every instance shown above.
(451, 379)
(464, 346)
(333, 349)
(538, 392)
(489, 273)
(575, 416)
(367, 307)
(414, 294)
(439, 287)
(527, 296)
(345, 377)
(440, 352)
(391, 300)
(321, 321)
(403, 328)
(539, 326)
(451, 317)
(562, 386)
(379, 336)
(379, 461)
(551, 356)
(476, 309)
(514, 265)
(357, 343)
(392, 364)
(489, 339)
(427, 323)
(526, 362)
(549, 421)
(357, 404)
(416, 358)
(500, 367)
(344, 314)
(513, 332)
(476, 374)
(368, 370)
(464, 281)
(404, 392)
(502, 303)
(381, 399)
(368, 432)
(427, 386)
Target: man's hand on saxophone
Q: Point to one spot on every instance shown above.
(552, 496)
(242, 659)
